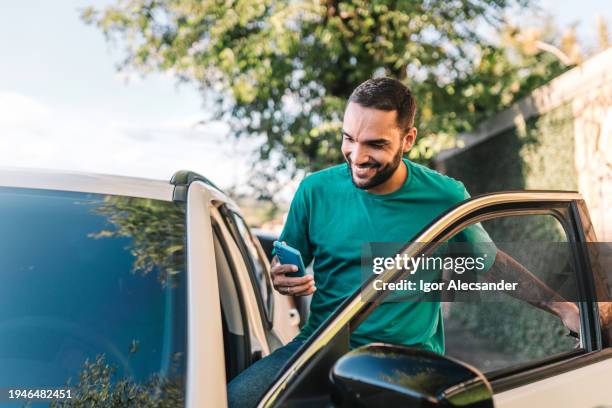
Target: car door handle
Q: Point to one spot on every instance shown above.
(294, 317)
(256, 356)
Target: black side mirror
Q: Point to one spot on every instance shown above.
(382, 375)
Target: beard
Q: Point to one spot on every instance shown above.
(382, 174)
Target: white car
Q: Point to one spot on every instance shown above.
(136, 292)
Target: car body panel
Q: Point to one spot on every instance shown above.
(86, 182)
(206, 373)
(588, 386)
(256, 325)
(205, 364)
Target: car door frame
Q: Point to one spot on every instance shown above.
(205, 383)
(257, 322)
(355, 308)
(267, 317)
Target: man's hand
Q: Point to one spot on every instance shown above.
(569, 314)
(302, 286)
(605, 314)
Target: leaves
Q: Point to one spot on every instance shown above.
(99, 386)
(156, 230)
(284, 69)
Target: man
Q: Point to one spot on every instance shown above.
(376, 196)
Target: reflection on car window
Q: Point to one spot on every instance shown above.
(93, 295)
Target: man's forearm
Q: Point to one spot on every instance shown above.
(530, 288)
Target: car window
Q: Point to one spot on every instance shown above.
(488, 329)
(507, 331)
(93, 295)
(254, 259)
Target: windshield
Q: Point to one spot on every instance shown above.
(92, 295)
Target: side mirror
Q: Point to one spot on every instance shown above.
(382, 375)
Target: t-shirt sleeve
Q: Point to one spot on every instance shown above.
(477, 240)
(295, 232)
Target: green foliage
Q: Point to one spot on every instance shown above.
(537, 155)
(156, 229)
(516, 330)
(99, 387)
(513, 328)
(284, 69)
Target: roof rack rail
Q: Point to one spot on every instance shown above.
(181, 181)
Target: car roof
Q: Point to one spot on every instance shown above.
(86, 182)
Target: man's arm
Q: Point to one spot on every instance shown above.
(533, 290)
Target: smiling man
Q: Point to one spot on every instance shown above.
(376, 196)
(373, 149)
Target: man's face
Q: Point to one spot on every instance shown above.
(373, 144)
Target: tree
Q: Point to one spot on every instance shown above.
(284, 69)
(99, 385)
(156, 230)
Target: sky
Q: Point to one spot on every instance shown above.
(63, 105)
(582, 13)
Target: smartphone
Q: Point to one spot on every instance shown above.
(289, 255)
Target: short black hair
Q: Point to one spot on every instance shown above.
(387, 94)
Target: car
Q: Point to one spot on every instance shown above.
(157, 292)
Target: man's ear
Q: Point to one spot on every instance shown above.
(409, 139)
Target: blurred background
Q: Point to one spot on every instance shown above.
(251, 93)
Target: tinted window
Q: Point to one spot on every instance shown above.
(93, 282)
(494, 330)
(507, 331)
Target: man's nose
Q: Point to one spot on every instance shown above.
(359, 155)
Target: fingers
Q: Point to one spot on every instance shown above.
(282, 269)
(300, 290)
(306, 292)
(281, 280)
(301, 286)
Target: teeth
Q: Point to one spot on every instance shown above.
(362, 171)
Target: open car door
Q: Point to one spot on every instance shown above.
(566, 372)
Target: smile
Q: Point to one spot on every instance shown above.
(363, 172)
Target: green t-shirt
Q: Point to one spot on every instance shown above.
(329, 220)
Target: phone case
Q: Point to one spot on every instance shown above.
(289, 255)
